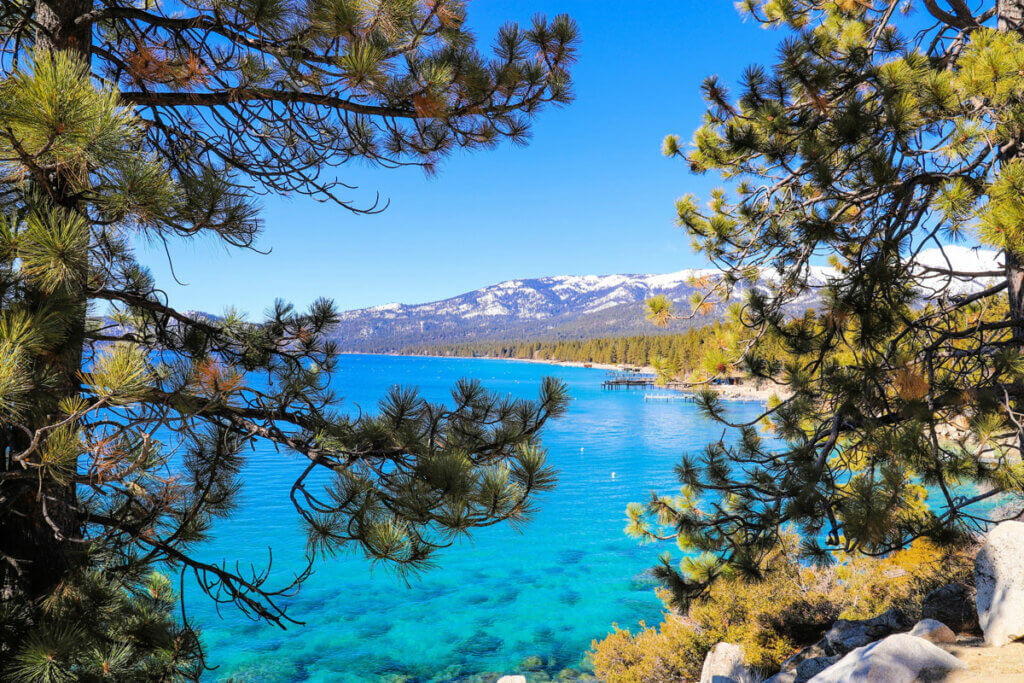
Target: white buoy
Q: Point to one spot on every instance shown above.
(613, 475)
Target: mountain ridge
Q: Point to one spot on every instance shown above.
(582, 306)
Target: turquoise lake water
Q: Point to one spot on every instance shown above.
(494, 600)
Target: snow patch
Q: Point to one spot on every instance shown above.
(549, 297)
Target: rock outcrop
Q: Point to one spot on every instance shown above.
(802, 667)
(847, 634)
(899, 658)
(724, 664)
(953, 605)
(999, 579)
(934, 632)
(844, 636)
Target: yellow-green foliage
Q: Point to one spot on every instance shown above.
(772, 618)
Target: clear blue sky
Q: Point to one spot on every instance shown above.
(590, 194)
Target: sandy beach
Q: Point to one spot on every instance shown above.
(747, 391)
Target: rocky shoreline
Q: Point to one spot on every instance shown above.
(943, 645)
(962, 634)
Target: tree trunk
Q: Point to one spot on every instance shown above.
(1015, 280)
(1010, 16)
(39, 521)
(56, 27)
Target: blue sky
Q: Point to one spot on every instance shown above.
(590, 194)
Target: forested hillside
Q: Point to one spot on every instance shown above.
(697, 349)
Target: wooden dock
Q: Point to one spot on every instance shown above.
(627, 382)
(676, 396)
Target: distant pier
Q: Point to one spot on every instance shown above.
(628, 378)
(627, 383)
(685, 398)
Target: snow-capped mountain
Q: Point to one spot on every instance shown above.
(569, 306)
(957, 259)
(573, 306)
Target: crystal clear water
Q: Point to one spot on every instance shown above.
(493, 601)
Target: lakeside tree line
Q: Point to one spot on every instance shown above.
(696, 354)
(687, 351)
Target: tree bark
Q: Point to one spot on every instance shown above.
(1010, 17)
(57, 28)
(39, 519)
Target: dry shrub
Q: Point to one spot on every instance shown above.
(791, 607)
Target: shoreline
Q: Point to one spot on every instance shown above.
(727, 392)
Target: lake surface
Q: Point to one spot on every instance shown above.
(493, 601)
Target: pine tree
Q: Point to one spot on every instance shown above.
(885, 128)
(279, 92)
(124, 422)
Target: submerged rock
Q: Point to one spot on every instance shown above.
(899, 658)
(724, 664)
(933, 631)
(532, 663)
(953, 605)
(999, 578)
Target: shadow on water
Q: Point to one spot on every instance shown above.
(375, 629)
(571, 557)
(479, 645)
(569, 597)
(643, 581)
